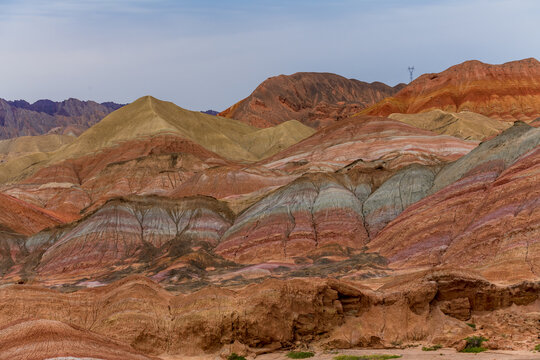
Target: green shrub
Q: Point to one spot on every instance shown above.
(537, 347)
(432, 348)
(473, 326)
(300, 354)
(474, 344)
(235, 356)
(367, 357)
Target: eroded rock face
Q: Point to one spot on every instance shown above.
(408, 186)
(140, 167)
(135, 314)
(23, 218)
(311, 212)
(369, 139)
(134, 231)
(509, 91)
(487, 218)
(48, 339)
(315, 99)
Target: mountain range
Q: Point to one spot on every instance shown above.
(72, 116)
(319, 212)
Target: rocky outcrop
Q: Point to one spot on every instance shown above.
(126, 233)
(311, 213)
(314, 99)
(510, 91)
(19, 118)
(396, 194)
(483, 213)
(135, 314)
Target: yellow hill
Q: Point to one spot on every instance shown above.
(465, 125)
(25, 145)
(148, 116)
(269, 141)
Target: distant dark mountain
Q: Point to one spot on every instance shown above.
(211, 112)
(20, 118)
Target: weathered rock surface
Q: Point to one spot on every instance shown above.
(19, 118)
(49, 339)
(23, 218)
(310, 213)
(510, 91)
(126, 233)
(408, 186)
(371, 204)
(314, 99)
(368, 139)
(324, 312)
(148, 166)
(483, 214)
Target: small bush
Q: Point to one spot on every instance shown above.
(474, 344)
(235, 356)
(300, 354)
(537, 347)
(473, 326)
(367, 357)
(432, 348)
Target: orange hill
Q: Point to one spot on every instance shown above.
(314, 99)
(510, 91)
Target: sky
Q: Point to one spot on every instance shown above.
(209, 54)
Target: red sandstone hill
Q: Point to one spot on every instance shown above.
(20, 118)
(366, 201)
(315, 99)
(510, 91)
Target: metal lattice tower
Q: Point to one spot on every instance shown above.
(411, 70)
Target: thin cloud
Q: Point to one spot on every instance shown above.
(210, 54)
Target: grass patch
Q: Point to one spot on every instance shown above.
(473, 350)
(474, 344)
(367, 357)
(300, 354)
(432, 348)
(537, 347)
(472, 326)
(235, 356)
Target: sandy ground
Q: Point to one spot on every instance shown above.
(407, 354)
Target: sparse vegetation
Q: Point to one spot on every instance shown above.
(473, 326)
(474, 344)
(367, 357)
(432, 348)
(300, 354)
(537, 347)
(473, 350)
(235, 356)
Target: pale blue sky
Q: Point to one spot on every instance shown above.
(210, 54)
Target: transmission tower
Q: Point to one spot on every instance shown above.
(411, 70)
